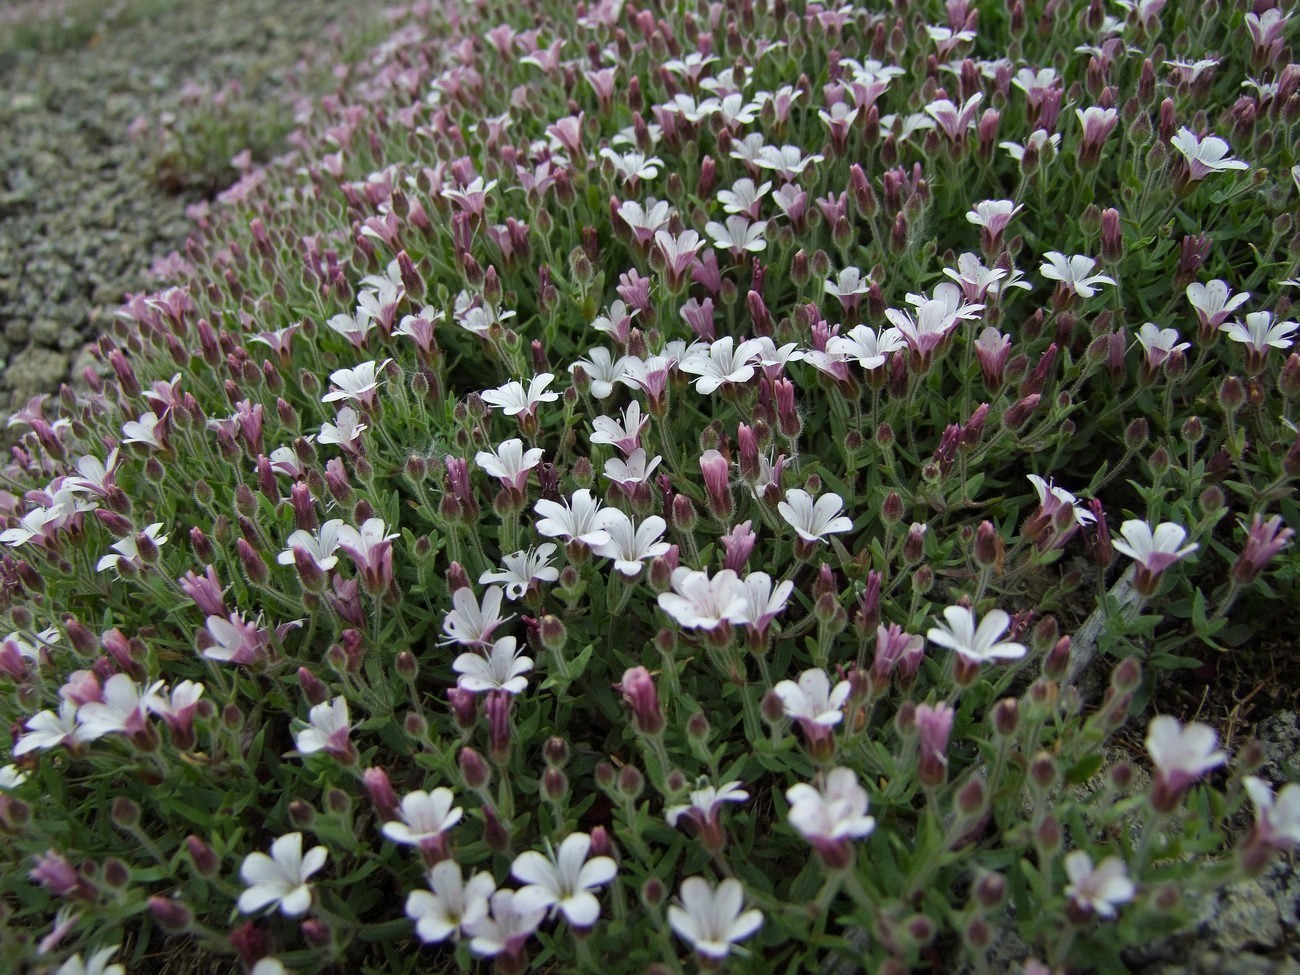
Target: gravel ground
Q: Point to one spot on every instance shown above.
(80, 220)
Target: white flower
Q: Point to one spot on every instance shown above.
(122, 710)
(319, 545)
(698, 601)
(623, 434)
(1159, 343)
(11, 777)
(345, 432)
(1277, 817)
(1154, 550)
(469, 622)
(357, 384)
(1212, 302)
(788, 161)
(353, 327)
(1074, 273)
(1053, 498)
(578, 519)
(1205, 156)
(814, 520)
(520, 568)
(604, 371)
(46, 730)
(762, 604)
(1260, 332)
(812, 699)
(564, 880)
(705, 801)
(738, 235)
(637, 469)
(126, 548)
(510, 463)
(711, 919)
(973, 644)
(631, 544)
(993, 215)
(512, 399)
(835, 810)
(97, 965)
(453, 907)
(327, 727)
(722, 362)
(508, 924)
(142, 430)
(34, 525)
(425, 816)
(502, 670)
(743, 197)
(280, 878)
(849, 285)
(1181, 754)
(871, 348)
(1046, 145)
(633, 165)
(1101, 888)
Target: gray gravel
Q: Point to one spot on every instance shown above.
(80, 221)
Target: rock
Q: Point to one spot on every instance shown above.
(34, 371)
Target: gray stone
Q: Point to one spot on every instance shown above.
(35, 370)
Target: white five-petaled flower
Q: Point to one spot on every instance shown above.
(579, 519)
(327, 727)
(280, 878)
(319, 545)
(1182, 754)
(345, 432)
(96, 965)
(519, 569)
(603, 370)
(453, 906)
(1212, 302)
(1260, 332)
(812, 700)
(705, 801)
(762, 603)
(143, 430)
(1159, 343)
(870, 347)
(637, 469)
(1074, 273)
(976, 644)
(123, 709)
(46, 730)
(358, 383)
(563, 879)
(425, 817)
(126, 548)
(11, 777)
(722, 362)
(506, 928)
(623, 433)
(700, 602)
(513, 400)
(1101, 888)
(814, 520)
(1205, 156)
(1277, 818)
(1157, 550)
(738, 235)
(835, 809)
(713, 919)
(470, 622)
(631, 544)
(503, 669)
(510, 463)
(744, 198)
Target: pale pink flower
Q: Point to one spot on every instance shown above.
(1100, 889)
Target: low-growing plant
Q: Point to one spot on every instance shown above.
(641, 488)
